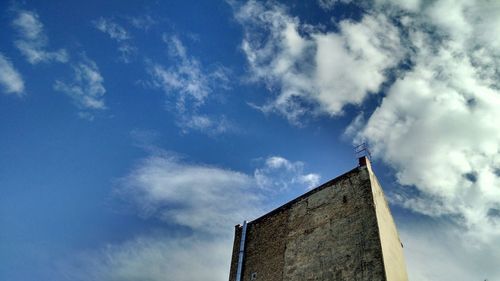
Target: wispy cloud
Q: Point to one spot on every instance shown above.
(206, 201)
(120, 35)
(32, 41)
(86, 88)
(330, 4)
(204, 123)
(111, 28)
(190, 195)
(144, 22)
(11, 80)
(280, 174)
(186, 78)
(168, 187)
(188, 86)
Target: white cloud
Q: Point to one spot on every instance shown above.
(114, 30)
(187, 83)
(120, 35)
(127, 52)
(205, 202)
(312, 70)
(33, 41)
(206, 124)
(436, 124)
(186, 79)
(10, 79)
(436, 128)
(176, 191)
(445, 108)
(144, 22)
(204, 198)
(280, 174)
(86, 89)
(330, 4)
(188, 86)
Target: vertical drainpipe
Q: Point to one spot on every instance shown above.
(242, 251)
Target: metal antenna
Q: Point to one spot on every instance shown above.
(362, 150)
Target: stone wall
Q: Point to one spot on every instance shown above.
(329, 233)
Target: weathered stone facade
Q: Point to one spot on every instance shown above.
(341, 230)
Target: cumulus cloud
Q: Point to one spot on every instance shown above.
(86, 89)
(32, 41)
(120, 35)
(436, 121)
(443, 104)
(11, 80)
(188, 86)
(205, 201)
(445, 108)
(316, 71)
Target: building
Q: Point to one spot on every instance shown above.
(341, 230)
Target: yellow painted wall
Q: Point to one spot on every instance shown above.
(392, 248)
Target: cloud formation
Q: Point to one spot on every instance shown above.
(188, 86)
(119, 34)
(438, 63)
(186, 79)
(330, 4)
(311, 70)
(144, 22)
(206, 201)
(445, 108)
(167, 187)
(280, 174)
(32, 41)
(11, 80)
(114, 30)
(443, 104)
(203, 198)
(86, 89)
(211, 125)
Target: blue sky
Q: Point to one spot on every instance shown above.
(136, 135)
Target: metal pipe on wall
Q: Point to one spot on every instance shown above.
(242, 251)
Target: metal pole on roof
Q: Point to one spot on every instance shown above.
(362, 150)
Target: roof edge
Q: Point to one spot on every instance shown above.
(310, 192)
